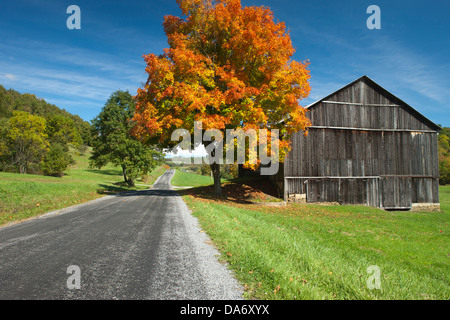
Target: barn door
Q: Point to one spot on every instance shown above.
(353, 191)
(322, 190)
(313, 190)
(396, 193)
(373, 192)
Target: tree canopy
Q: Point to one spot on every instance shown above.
(444, 155)
(11, 100)
(35, 135)
(113, 144)
(229, 67)
(24, 140)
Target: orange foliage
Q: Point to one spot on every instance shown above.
(228, 66)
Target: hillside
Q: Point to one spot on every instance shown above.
(26, 195)
(11, 100)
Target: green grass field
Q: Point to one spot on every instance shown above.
(23, 195)
(324, 252)
(187, 179)
(444, 198)
(292, 252)
(152, 176)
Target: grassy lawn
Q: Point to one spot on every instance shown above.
(324, 252)
(187, 179)
(291, 252)
(23, 195)
(444, 198)
(152, 176)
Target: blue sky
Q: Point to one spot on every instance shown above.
(78, 69)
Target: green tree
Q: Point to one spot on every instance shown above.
(11, 100)
(62, 130)
(56, 160)
(113, 144)
(84, 128)
(444, 155)
(24, 140)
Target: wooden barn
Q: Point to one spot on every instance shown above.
(365, 146)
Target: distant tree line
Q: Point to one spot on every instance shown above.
(229, 171)
(444, 155)
(35, 136)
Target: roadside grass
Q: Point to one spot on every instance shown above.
(23, 196)
(152, 176)
(188, 179)
(324, 252)
(444, 198)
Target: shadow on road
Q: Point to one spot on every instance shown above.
(160, 188)
(149, 192)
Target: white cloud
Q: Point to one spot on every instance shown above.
(10, 76)
(75, 76)
(199, 151)
(414, 76)
(405, 69)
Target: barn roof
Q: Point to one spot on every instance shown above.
(386, 93)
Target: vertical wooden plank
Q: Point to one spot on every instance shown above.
(329, 152)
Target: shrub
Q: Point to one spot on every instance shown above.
(56, 160)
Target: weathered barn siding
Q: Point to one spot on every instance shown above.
(365, 146)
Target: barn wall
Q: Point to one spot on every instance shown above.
(364, 148)
(350, 153)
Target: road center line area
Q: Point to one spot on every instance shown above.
(134, 245)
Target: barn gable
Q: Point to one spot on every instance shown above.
(360, 104)
(365, 146)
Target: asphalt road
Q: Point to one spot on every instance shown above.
(137, 245)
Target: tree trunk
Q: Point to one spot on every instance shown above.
(215, 169)
(124, 171)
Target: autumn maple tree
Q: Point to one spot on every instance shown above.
(229, 67)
